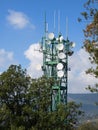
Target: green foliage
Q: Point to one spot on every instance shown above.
(91, 37)
(25, 104)
(14, 85)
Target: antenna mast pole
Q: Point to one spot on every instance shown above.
(58, 22)
(55, 62)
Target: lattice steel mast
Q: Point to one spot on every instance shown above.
(55, 64)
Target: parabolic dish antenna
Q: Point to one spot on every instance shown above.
(60, 73)
(60, 47)
(73, 44)
(61, 55)
(59, 66)
(51, 36)
(61, 38)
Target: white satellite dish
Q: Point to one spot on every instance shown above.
(59, 66)
(60, 73)
(51, 36)
(57, 39)
(61, 38)
(61, 55)
(60, 47)
(73, 44)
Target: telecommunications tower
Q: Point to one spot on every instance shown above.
(56, 51)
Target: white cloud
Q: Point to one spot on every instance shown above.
(18, 20)
(35, 58)
(78, 79)
(6, 58)
(79, 63)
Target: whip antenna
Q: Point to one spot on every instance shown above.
(58, 21)
(54, 19)
(66, 27)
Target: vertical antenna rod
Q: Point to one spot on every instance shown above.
(66, 27)
(54, 19)
(45, 24)
(58, 21)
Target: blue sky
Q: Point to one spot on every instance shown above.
(22, 25)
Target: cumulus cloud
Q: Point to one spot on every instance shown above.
(6, 58)
(78, 79)
(18, 20)
(79, 63)
(35, 58)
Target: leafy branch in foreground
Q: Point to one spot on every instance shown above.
(91, 38)
(25, 103)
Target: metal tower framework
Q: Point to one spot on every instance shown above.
(55, 64)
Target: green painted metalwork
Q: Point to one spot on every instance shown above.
(55, 64)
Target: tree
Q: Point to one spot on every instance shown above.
(91, 38)
(25, 103)
(64, 117)
(14, 85)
